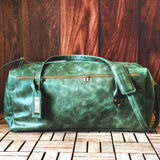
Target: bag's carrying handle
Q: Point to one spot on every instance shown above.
(121, 74)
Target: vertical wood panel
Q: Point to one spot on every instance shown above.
(40, 28)
(9, 42)
(119, 30)
(1, 54)
(150, 36)
(79, 27)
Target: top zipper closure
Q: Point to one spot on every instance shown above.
(72, 77)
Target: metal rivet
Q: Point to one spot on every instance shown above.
(22, 58)
(115, 100)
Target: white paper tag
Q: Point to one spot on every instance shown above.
(36, 105)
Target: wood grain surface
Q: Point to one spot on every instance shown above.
(79, 27)
(149, 47)
(10, 47)
(2, 58)
(119, 30)
(40, 28)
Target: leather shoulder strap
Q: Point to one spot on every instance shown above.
(139, 115)
(156, 106)
(123, 79)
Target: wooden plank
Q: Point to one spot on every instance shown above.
(4, 128)
(156, 146)
(122, 156)
(28, 146)
(158, 129)
(117, 137)
(149, 39)
(14, 155)
(79, 27)
(3, 121)
(133, 148)
(141, 137)
(3, 131)
(154, 137)
(151, 157)
(40, 27)
(50, 156)
(94, 156)
(12, 158)
(2, 50)
(93, 147)
(55, 146)
(15, 146)
(129, 137)
(94, 136)
(137, 157)
(4, 145)
(70, 136)
(81, 147)
(155, 140)
(46, 136)
(31, 136)
(106, 147)
(1, 114)
(65, 156)
(58, 136)
(2, 135)
(119, 30)
(36, 156)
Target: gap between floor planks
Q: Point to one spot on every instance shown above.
(78, 146)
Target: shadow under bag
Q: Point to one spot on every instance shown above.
(80, 93)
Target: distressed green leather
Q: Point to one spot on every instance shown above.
(121, 101)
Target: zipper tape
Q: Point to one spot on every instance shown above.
(71, 77)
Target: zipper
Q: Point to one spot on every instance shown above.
(72, 77)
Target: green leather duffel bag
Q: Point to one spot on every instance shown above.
(79, 93)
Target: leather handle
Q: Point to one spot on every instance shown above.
(121, 74)
(66, 58)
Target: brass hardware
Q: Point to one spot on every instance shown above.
(22, 58)
(29, 64)
(119, 105)
(155, 83)
(115, 100)
(86, 79)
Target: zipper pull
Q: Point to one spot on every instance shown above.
(86, 79)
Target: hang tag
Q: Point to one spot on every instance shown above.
(37, 98)
(36, 110)
(36, 105)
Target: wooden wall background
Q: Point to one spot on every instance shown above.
(120, 30)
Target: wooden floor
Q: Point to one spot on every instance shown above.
(78, 146)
